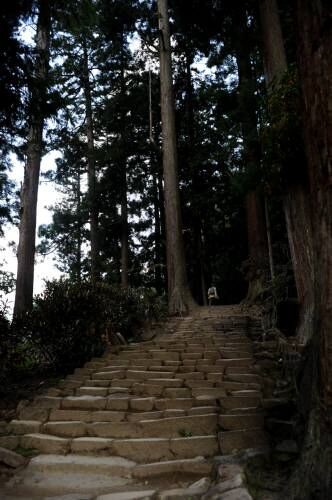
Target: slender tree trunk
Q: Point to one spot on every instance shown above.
(29, 194)
(91, 168)
(79, 229)
(124, 185)
(258, 248)
(124, 229)
(179, 296)
(199, 268)
(269, 238)
(296, 202)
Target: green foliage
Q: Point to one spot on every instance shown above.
(69, 324)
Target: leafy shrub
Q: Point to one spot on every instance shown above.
(68, 323)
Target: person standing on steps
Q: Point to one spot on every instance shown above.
(212, 294)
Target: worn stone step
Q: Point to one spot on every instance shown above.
(92, 391)
(75, 476)
(232, 402)
(45, 443)
(213, 392)
(109, 375)
(84, 403)
(143, 415)
(177, 392)
(177, 426)
(195, 466)
(86, 416)
(243, 377)
(130, 495)
(147, 374)
(232, 441)
(171, 403)
(66, 429)
(231, 354)
(237, 362)
(241, 421)
(153, 449)
(20, 427)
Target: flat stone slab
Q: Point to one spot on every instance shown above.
(130, 495)
(197, 465)
(240, 421)
(45, 443)
(11, 459)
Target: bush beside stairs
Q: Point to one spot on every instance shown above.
(147, 420)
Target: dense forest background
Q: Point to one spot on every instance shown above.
(195, 146)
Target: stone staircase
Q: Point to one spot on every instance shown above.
(146, 420)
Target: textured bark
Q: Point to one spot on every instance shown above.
(29, 194)
(315, 66)
(179, 296)
(91, 168)
(257, 237)
(124, 185)
(296, 203)
(275, 62)
(124, 230)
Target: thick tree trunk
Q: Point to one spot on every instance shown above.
(27, 236)
(313, 478)
(257, 236)
(91, 168)
(179, 296)
(296, 204)
(315, 66)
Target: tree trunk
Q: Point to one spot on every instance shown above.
(124, 229)
(313, 478)
(79, 229)
(29, 194)
(124, 186)
(180, 300)
(315, 66)
(296, 203)
(91, 168)
(257, 236)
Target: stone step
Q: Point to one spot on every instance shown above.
(154, 449)
(193, 466)
(71, 477)
(86, 416)
(45, 443)
(233, 441)
(233, 402)
(243, 377)
(170, 427)
(130, 495)
(240, 421)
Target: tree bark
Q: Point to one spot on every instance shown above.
(124, 229)
(180, 300)
(315, 67)
(29, 194)
(257, 237)
(296, 203)
(124, 185)
(91, 168)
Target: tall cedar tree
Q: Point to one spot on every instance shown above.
(26, 247)
(179, 296)
(296, 198)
